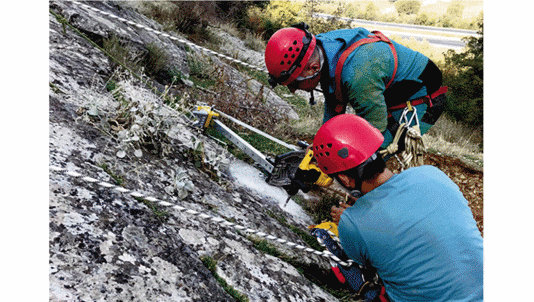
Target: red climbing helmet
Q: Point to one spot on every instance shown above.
(288, 52)
(344, 142)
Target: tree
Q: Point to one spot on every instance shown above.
(464, 75)
(455, 10)
(371, 12)
(408, 7)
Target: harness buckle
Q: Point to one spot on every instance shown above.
(409, 106)
(429, 101)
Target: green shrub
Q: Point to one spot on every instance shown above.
(352, 10)
(455, 10)
(277, 15)
(122, 52)
(408, 7)
(188, 17)
(464, 74)
(155, 61)
(371, 12)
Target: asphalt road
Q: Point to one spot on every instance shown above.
(438, 36)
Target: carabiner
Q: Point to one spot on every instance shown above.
(404, 117)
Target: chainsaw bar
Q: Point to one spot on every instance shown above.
(284, 168)
(281, 172)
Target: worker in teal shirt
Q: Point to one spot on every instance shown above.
(376, 79)
(415, 228)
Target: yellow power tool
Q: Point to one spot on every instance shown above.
(306, 175)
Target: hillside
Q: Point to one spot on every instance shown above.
(145, 207)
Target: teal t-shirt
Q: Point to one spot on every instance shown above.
(417, 230)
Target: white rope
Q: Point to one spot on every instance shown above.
(204, 216)
(412, 155)
(221, 221)
(166, 35)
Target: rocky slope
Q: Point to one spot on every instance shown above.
(105, 245)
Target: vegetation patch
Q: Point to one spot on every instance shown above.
(211, 265)
(118, 179)
(156, 210)
(305, 236)
(323, 278)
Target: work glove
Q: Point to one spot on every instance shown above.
(302, 180)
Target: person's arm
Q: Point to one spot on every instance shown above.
(329, 106)
(336, 212)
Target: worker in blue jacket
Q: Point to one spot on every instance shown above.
(376, 78)
(414, 228)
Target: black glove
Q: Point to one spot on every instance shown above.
(302, 180)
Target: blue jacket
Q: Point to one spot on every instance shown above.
(366, 72)
(419, 233)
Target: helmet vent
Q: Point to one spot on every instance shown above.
(329, 145)
(343, 153)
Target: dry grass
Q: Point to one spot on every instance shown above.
(453, 139)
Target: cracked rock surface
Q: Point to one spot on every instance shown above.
(110, 246)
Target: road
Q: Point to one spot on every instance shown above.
(438, 36)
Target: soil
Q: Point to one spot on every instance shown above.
(469, 179)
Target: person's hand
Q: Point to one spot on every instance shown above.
(336, 212)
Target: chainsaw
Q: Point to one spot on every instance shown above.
(292, 171)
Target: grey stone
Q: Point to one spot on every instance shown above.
(109, 246)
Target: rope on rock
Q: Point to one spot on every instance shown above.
(206, 217)
(166, 35)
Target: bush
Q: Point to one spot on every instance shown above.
(352, 10)
(464, 74)
(408, 7)
(278, 14)
(455, 10)
(155, 61)
(284, 13)
(371, 12)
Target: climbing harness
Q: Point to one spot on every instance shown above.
(428, 99)
(378, 36)
(412, 154)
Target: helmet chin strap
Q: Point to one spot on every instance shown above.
(312, 98)
(356, 191)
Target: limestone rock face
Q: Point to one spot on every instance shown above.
(105, 245)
